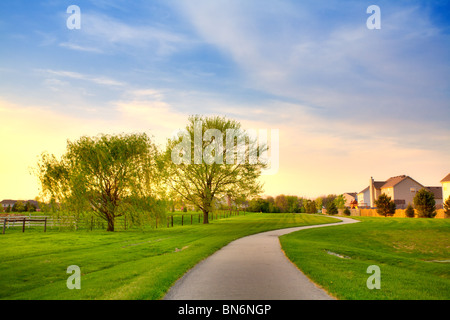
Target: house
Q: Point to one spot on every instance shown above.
(6, 203)
(350, 197)
(437, 191)
(401, 189)
(367, 197)
(11, 203)
(446, 188)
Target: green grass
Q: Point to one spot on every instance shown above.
(406, 250)
(131, 264)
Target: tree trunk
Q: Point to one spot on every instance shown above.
(205, 217)
(110, 224)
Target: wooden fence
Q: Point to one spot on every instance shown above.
(399, 213)
(121, 223)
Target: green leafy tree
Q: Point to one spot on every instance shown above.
(108, 174)
(447, 208)
(340, 201)
(332, 208)
(205, 162)
(385, 206)
(425, 204)
(19, 206)
(409, 212)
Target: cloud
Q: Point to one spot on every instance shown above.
(101, 33)
(101, 80)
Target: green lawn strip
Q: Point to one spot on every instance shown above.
(122, 265)
(406, 250)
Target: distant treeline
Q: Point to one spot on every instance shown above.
(293, 204)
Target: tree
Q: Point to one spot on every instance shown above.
(204, 162)
(347, 211)
(340, 201)
(19, 206)
(281, 203)
(385, 206)
(108, 174)
(447, 208)
(425, 204)
(409, 212)
(331, 208)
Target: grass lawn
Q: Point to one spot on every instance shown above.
(131, 264)
(413, 256)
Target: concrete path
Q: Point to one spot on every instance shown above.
(250, 268)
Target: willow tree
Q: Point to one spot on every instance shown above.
(214, 158)
(106, 174)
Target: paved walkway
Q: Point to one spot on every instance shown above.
(250, 268)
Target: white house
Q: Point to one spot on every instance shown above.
(446, 187)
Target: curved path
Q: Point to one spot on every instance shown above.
(250, 268)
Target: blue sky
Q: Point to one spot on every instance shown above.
(349, 102)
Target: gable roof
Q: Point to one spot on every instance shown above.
(364, 190)
(446, 179)
(393, 181)
(353, 194)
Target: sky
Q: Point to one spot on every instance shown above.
(349, 102)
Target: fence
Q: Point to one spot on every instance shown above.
(399, 213)
(23, 221)
(121, 223)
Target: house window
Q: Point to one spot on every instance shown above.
(412, 189)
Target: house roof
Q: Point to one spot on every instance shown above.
(437, 192)
(12, 202)
(393, 181)
(8, 202)
(446, 179)
(364, 190)
(378, 184)
(353, 194)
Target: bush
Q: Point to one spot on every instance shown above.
(385, 206)
(425, 204)
(346, 211)
(409, 212)
(332, 208)
(447, 208)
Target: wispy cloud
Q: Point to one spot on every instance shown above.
(101, 80)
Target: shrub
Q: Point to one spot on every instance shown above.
(425, 204)
(447, 208)
(346, 211)
(385, 206)
(332, 208)
(409, 212)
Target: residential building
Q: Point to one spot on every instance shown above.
(367, 197)
(350, 198)
(437, 191)
(401, 189)
(445, 187)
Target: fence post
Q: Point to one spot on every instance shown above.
(45, 224)
(4, 224)
(23, 226)
(191, 218)
(156, 219)
(182, 217)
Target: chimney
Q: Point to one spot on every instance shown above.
(372, 193)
